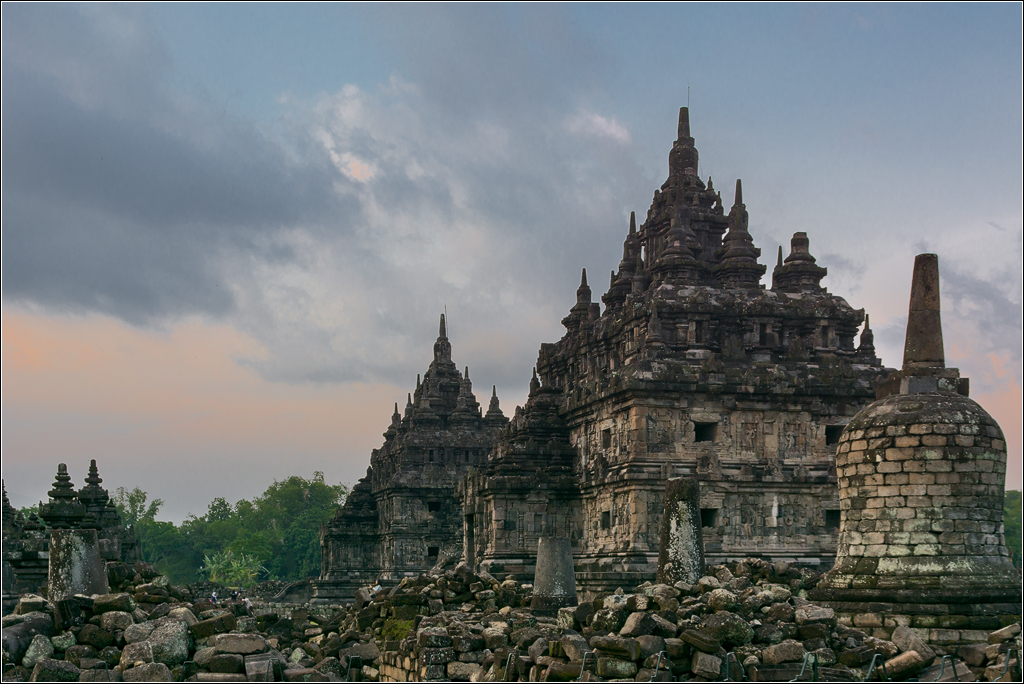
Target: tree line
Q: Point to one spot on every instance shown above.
(274, 536)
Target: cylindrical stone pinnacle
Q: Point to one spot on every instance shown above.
(923, 348)
(684, 123)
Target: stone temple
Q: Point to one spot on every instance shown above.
(691, 368)
(401, 519)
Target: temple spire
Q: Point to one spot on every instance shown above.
(923, 348)
(442, 348)
(738, 266)
(632, 223)
(684, 123)
(494, 409)
(867, 338)
(683, 158)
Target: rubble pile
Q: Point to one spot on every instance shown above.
(149, 630)
(750, 616)
(459, 625)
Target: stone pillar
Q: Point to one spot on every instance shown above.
(75, 565)
(554, 582)
(681, 553)
(923, 346)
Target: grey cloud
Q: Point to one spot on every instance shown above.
(497, 230)
(508, 61)
(119, 193)
(135, 198)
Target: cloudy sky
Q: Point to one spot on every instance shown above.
(228, 230)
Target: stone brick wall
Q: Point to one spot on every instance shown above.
(921, 481)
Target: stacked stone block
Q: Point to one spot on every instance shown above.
(928, 485)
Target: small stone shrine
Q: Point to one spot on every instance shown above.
(75, 566)
(921, 483)
(27, 541)
(402, 518)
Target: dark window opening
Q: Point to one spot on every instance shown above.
(763, 334)
(430, 456)
(433, 551)
(832, 520)
(606, 438)
(709, 517)
(433, 506)
(606, 520)
(832, 433)
(704, 432)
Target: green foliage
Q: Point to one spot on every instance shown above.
(132, 506)
(240, 570)
(1012, 513)
(29, 510)
(275, 536)
(396, 630)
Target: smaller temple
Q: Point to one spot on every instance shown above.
(26, 541)
(922, 472)
(402, 518)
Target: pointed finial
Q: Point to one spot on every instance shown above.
(467, 372)
(739, 191)
(417, 381)
(923, 348)
(396, 407)
(93, 478)
(632, 222)
(583, 279)
(494, 409)
(867, 321)
(408, 399)
(684, 123)
(442, 332)
(779, 264)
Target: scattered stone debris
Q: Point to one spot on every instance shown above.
(459, 625)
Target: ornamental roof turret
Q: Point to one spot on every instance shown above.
(64, 510)
(738, 266)
(799, 272)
